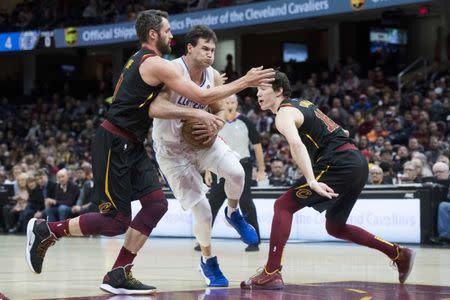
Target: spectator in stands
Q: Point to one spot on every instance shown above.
(376, 175)
(425, 168)
(411, 173)
(47, 186)
(277, 175)
(433, 149)
(441, 172)
(388, 173)
(401, 158)
(362, 104)
(35, 204)
(11, 212)
(84, 203)
(66, 195)
(444, 159)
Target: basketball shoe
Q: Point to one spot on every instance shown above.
(246, 231)
(39, 239)
(264, 280)
(211, 272)
(404, 262)
(120, 281)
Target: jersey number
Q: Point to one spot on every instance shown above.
(119, 83)
(331, 125)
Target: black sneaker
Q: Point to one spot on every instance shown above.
(120, 281)
(39, 239)
(252, 248)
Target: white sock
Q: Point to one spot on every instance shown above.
(230, 210)
(205, 258)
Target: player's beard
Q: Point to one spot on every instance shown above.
(162, 47)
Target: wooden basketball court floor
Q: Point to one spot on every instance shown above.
(74, 268)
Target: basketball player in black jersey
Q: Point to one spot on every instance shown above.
(334, 175)
(122, 170)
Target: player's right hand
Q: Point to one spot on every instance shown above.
(322, 189)
(259, 76)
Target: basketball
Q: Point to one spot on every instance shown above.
(189, 138)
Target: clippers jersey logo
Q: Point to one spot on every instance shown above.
(186, 102)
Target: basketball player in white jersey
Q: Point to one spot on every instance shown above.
(181, 164)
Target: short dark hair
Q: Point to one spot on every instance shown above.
(282, 81)
(148, 20)
(200, 32)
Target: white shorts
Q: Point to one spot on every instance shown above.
(181, 166)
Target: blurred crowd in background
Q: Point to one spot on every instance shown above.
(404, 136)
(50, 14)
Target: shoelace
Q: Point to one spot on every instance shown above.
(132, 280)
(258, 272)
(44, 245)
(394, 261)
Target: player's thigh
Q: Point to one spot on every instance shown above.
(144, 175)
(117, 187)
(219, 159)
(184, 179)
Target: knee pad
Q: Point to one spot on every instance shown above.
(234, 181)
(97, 223)
(154, 206)
(202, 222)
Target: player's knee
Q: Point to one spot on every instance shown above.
(333, 228)
(122, 222)
(236, 175)
(149, 216)
(160, 208)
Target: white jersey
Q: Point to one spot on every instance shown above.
(170, 130)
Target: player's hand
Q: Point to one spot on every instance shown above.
(261, 175)
(322, 189)
(208, 178)
(213, 122)
(201, 131)
(259, 76)
(223, 78)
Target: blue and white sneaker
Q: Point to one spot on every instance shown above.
(246, 231)
(211, 272)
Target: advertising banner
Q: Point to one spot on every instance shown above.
(223, 18)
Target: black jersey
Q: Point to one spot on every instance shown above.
(319, 133)
(132, 97)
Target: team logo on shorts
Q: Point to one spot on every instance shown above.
(357, 4)
(104, 207)
(71, 36)
(303, 193)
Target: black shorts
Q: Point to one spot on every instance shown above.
(122, 170)
(346, 173)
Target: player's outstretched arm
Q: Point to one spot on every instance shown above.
(286, 121)
(157, 70)
(162, 108)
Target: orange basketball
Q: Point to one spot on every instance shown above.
(186, 132)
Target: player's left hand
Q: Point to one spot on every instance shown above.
(203, 132)
(322, 189)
